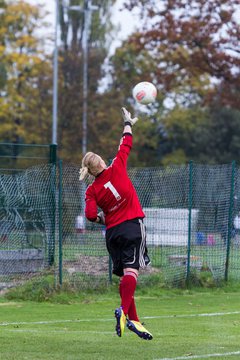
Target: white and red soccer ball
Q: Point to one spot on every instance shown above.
(144, 92)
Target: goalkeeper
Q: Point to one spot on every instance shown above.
(113, 192)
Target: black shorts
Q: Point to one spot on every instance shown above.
(126, 244)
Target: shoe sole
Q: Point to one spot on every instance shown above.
(143, 335)
(118, 318)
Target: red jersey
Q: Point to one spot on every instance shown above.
(113, 191)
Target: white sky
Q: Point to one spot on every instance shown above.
(125, 19)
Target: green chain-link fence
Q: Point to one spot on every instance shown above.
(27, 211)
(190, 212)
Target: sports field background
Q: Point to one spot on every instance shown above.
(190, 212)
(186, 324)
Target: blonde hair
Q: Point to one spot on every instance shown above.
(91, 164)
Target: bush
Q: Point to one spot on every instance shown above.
(202, 279)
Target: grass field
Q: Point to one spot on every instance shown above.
(186, 324)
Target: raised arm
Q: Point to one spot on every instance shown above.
(126, 139)
(128, 121)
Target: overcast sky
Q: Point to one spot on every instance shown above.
(125, 19)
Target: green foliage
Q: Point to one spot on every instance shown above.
(202, 279)
(223, 135)
(47, 289)
(39, 289)
(175, 157)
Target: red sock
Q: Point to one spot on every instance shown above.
(127, 288)
(132, 311)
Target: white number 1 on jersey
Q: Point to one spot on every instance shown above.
(113, 190)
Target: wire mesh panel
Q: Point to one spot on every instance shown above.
(163, 193)
(84, 256)
(212, 198)
(192, 220)
(187, 212)
(234, 251)
(27, 202)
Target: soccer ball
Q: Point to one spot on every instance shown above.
(144, 92)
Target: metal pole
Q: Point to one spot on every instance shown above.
(230, 216)
(87, 24)
(55, 79)
(60, 222)
(85, 94)
(87, 10)
(190, 179)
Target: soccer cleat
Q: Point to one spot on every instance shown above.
(139, 329)
(121, 321)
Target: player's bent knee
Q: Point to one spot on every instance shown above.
(132, 272)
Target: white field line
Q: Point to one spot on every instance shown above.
(193, 315)
(106, 319)
(64, 331)
(207, 356)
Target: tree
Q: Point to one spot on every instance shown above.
(223, 135)
(71, 77)
(190, 51)
(25, 98)
(195, 45)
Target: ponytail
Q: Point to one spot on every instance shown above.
(83, 173)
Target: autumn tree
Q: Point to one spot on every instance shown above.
(194, 45)
(25, 101)
(189, 49)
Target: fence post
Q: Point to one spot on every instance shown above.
(230, 215)
(51, 242)
(60, 220)
(189, 221)
(53, 154)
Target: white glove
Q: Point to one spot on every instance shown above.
(101, 218)
(127, 117)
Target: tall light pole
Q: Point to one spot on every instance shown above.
(87, 23)
(55, 79)
(87, 10)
